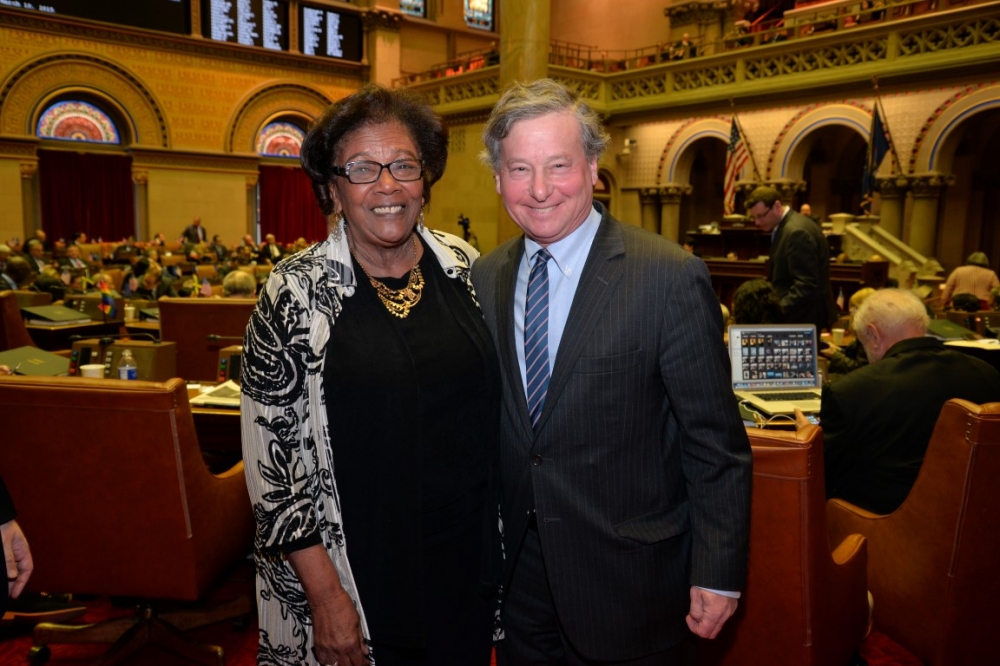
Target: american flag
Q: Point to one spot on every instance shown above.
(738, 156)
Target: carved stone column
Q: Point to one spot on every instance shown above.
(649, 199)
(140, 180)
(926, 189)
(31, 214)
(670, 209)
(384, 44)
(892, 192)
(787, 189)
(251, 181)
(524, 40)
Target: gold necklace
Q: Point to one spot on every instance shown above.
(399, 301)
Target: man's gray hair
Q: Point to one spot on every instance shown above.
(890, 309)
(526, 101)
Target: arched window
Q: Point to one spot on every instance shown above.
(76, 120)
(280, 139)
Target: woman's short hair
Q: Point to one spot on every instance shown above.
(239, 284)
(526, 101)
(858, 297)
(978, 259)
(756, 302)
(373, 105)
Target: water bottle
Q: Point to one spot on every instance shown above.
(126, 366)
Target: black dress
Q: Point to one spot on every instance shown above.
(415, 401)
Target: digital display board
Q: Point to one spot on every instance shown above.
(248, 22)
(163, 15)
(333, 34)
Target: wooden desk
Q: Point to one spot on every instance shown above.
(55, 338)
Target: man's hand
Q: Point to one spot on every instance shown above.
(17, 556)
(709, 611)
(800, 419)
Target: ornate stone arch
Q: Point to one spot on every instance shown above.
(791, 149)
(273, 100)
(937, 140)
(29, 90)
(676, 160)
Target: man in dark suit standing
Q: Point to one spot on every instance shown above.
(625, 468)
(194, 233)
(878, 420)
(799, 266)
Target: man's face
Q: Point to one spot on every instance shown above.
(73, 252)
(764, 216)
(36, 250)
(545, 178)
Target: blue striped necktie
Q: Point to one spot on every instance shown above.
(536, 336)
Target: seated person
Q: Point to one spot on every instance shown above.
(35, 254)
(756, 302)
(16, 274)
(975, 277)
(73, 259)
(239, 284)
(270, 251)
(878, 420)
(852, 355)
(153, 284)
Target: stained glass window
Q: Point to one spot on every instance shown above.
(414, 7)
(479, 14)
(75, 120)
(280, 139)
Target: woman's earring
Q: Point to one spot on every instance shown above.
(420, 222)
(338, 227)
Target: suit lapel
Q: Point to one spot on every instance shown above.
(600, 276)
(506, 285)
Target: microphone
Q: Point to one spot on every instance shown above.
(105, 340)
(214, 337)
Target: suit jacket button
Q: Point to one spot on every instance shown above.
(536, 460)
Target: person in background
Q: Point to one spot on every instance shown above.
(270, 251)
(194, 233)
(975, 277)
(370, 395)
(806, 211)
(16, 274)
(799, 266)
(73, 259)
(852, 355)
(5, 253)
(35, 254)
(216, 250)
(153, 283)
(625, 468)
(685, 48)
(878, 420)
(757, 302)
(239, 284)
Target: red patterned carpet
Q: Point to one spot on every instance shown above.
(241, 646)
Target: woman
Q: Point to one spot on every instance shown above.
(975, 277)
(756, 302)
(369, 390)
(852, 355)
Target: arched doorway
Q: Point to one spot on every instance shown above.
(707, 178)
(832, 171)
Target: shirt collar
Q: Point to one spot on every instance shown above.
(566, 252)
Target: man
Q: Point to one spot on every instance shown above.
(73, 259)
(807, 211)
(16, 552)
(799, 267)
(684, 48)
(625, 467)
(878, 420)
(270, 251)
(194, 233)
(5, 253)
(35, 254)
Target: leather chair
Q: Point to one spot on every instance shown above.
(190, 321)
(932, 565)
(115, 498)
(13, 333)
(802, 604)
(29, 299)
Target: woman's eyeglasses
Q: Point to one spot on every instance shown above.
(364, 172)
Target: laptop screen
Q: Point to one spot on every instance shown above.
(773, 356)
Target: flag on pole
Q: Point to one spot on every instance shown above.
(206, 287)
(878, 146)
(737, 157)
(107, 305)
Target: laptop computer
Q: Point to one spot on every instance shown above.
(774, 367)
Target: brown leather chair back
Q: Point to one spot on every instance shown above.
(30, 299)
(933, 562)
(189, 322)
(13, 334)
(802, 604)
(112, 491)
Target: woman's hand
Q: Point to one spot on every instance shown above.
(337, 631)
(337, 636)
